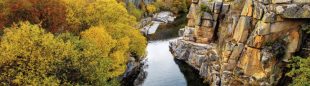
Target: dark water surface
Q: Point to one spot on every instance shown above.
(163, 70)
(160, 67)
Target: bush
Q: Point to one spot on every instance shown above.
(205, 8)
(101, 35)
(29, 55)
(300, 71)
(49, 13)
(151, 9)
(110, 15)
(133, 10)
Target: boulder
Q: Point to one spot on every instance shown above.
(295, 11)
(225, 9)
(294, 41)
(242, 29)
(279, 9)
(207, 16)
(250, 63)
(206, 23)
(262, 28)
(269, 17)
(264, 1)
(248, 8)
(302, 1)
(283, 26)
(232, 62)
(258, 11)
(188, 34)
(256, 41)
(281, 1)
(217, 7)
(191, 23)
(192, 11)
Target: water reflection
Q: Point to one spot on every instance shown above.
(162, 69)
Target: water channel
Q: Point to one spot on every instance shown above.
(161, 68)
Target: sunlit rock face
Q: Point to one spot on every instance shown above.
(242, 42)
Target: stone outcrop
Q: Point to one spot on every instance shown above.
(242, 42)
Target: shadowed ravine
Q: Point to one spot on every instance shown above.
(160, 67)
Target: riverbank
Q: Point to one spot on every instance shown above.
(160, 68)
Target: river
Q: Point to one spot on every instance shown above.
(162, 70)
(160, 67)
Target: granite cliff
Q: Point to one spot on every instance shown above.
(242, 42)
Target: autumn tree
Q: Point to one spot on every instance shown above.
(101, 36)
(2, 13)
(49, 13)
(133, 10)
(151, 8)
(176, 6)
(28, 56)
(110, 15)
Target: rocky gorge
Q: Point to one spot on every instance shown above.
(242, 42)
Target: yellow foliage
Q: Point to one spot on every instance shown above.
(31, 56)
(110, 15)
(28, 55)
(100, 38)
(151, 8)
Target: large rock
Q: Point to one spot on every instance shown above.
(192, 14)
(302, 1)
(217, 7)
(294, 39)
(242, 29)
(296, 11)
(206, 23)
(232, 62)
(262, 28)
(283, 26)
(269, 17)
(279, 9)
(207, 16)
(250, 63)
(258, 11)
(281, 1)
(254, 40)
(191, 23)
(248, 8)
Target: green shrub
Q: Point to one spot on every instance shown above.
(300, 71)
(205, 8)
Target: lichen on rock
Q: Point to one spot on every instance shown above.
(242, 42)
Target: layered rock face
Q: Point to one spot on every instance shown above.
(242, 42)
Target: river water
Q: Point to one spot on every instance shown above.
(160, 67)
(162, 70)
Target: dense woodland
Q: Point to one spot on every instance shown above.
(66, 42)
(82, 42)
(71, 42)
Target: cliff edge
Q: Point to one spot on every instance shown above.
(242, 42)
